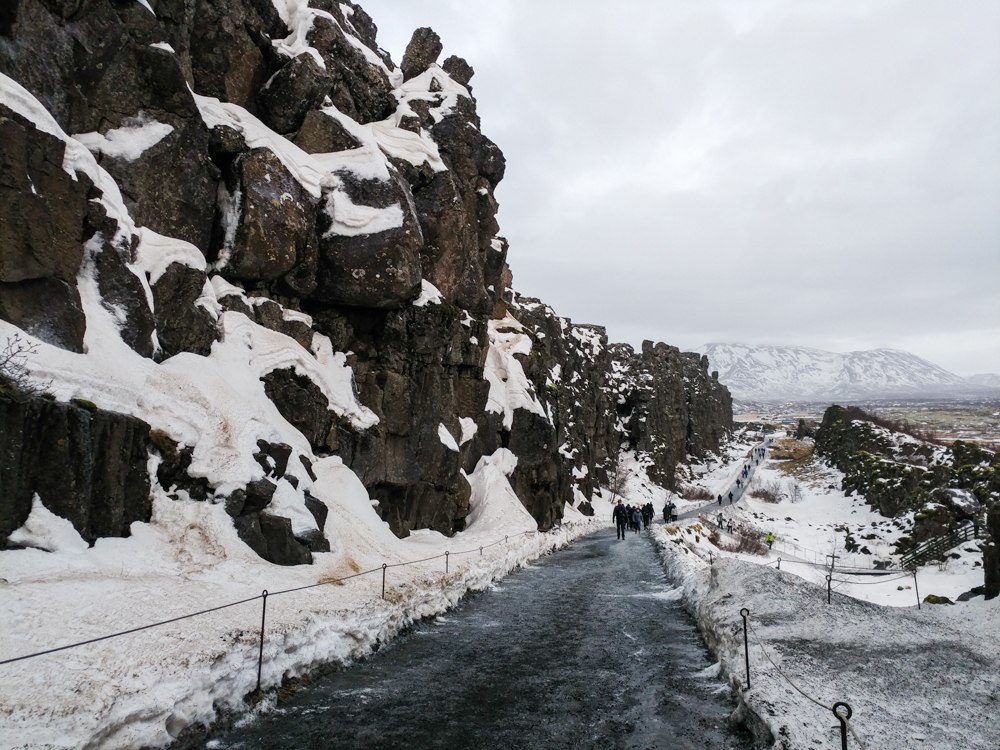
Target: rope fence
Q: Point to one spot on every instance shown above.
(842, 716)
(263, 597)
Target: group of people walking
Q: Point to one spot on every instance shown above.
(632, 518)
(636, 518)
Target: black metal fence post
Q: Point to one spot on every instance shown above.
(779, 563)
(480, 551)
(260, 655)
(446, 562)
(746, 644)
(384, 566)
(915, 587)
(842, 718)
(829, 588)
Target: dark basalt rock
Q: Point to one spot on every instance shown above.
(314, 541)
(275, 219)
(360, 90)
(181, 325)
(321, 134)
(248, 529)
(258, 495)
(297, 88)
(301, 403)
(282, 546)
(172, 473)
(122, 294)
(171, 186)
(88, 466)
(318, 509)
(458, 69)
(48, 309)
(273, 457)
(226, 45)
(269, 314)
(416, 368)
(422, 52)
(42, 209)
(379, 270)
(672, 406)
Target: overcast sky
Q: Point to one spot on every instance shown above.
(817, 173)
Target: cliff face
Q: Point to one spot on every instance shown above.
(252, 240)
(898, 474)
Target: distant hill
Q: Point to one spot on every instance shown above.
(798, 373)
(989, 379)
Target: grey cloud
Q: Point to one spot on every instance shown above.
(672, 165)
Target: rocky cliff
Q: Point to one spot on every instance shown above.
(247, 239)
(900, 474)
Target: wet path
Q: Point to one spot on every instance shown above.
(588, 648)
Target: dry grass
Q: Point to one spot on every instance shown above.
(790, 455)
(768, 491)
(748, 541)
(690, 492)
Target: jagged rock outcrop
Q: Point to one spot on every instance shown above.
(669, 405)
(292, 199)
(898, 473)
(85, 464)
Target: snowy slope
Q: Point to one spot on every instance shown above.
(779, 373)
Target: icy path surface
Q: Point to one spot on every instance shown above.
(730, 488)
(588, 648)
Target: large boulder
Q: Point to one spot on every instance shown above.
(301, 403)
(299, 86)
(123, 295)
(181, 324)
(322, 134)
(42, 208)
(365, 265)
(360, 89)
(267, 221)
(422, 52)
(48, 309)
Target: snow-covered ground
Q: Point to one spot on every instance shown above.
(817, 523)
(915, 678)
(926, 678)
(146, 688)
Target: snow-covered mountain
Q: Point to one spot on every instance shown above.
(989, 379)
(782, 373)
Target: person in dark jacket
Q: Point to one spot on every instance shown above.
(620, 515)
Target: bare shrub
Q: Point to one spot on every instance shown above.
(768, 491)
(713, 536)
(795, 493)
(690, 492)
(748, 541)
(855, 412)
(15, 380)
(617, 468)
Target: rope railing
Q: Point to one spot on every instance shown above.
(263, 597)
(842, 717)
